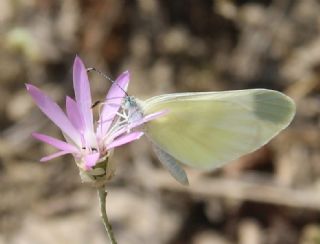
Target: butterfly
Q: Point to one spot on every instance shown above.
(206, 130)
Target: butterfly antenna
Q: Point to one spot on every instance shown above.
(99, 102)
(106, 77)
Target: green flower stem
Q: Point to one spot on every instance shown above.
(102, 199)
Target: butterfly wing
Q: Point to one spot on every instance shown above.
(171, 165)
(206, 130)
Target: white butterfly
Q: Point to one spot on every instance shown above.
(209, 129)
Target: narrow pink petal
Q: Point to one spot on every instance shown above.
(82, 92)
(54, 113)
(91, 160)
(139, 122)
(61, 145)
(114, 99)
(155, 115)
(74, 115)
(54, 155)
(120, 86)
(125, 139)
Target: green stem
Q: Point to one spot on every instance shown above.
(102, 199)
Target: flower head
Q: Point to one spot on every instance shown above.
(89, 141)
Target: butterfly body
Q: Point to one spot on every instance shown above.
(133, 109)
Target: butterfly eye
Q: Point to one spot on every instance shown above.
(127, 104)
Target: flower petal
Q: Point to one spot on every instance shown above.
(113, 101)
(54, 113)
(91, 160)
(54, 155)
(82, 92)
(61, 145)
(120, 86)
(155, 115)
(74, 115)
(125, 139)
(139, 122)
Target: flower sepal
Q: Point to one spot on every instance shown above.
(99, 175)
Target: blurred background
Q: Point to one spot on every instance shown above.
(271, 196)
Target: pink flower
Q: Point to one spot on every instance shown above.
(89, 144)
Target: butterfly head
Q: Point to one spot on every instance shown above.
(132, 109)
